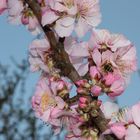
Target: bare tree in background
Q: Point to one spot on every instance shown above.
(17, 120)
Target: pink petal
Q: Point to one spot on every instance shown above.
(136, 114)
(119, 130)
(64, 27)
(96, 55)
(49, 17)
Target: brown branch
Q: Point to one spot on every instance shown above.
(60, 55)
(63, 63)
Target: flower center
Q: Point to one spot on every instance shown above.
(47, 101)
(68, 3)
(83, 9)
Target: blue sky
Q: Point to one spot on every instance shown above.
(121, 16)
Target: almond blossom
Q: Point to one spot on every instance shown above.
(46, 104)
(19, 13)
(122, 59)
(124, 122)
(96, 66)
(103, 39)
(37, 59)
(72, 15)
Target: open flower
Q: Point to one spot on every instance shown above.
(46, 103)
(122, 62)
(20, 14)
(103, 39)
(37, 49)
(71, 15)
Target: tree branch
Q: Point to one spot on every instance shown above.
(63, 63)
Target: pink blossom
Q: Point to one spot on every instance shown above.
(3, 6)
(103, 39)
(120, 64)
(15, 8)
(79, 16)
(83, 100)
(102, 60)
(96, 90)
(37, 58)
(82, 105)
(25, 20)
(126, 60)
(44, 101)
(81, 83)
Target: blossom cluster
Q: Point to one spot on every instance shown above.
(105, 62)
(124, 123)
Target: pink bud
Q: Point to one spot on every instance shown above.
(96, 90)
(52, 79)
(61, 85)
(24, 19)
(80, 90)
(99, 102)
(3, 6)
(82, 105)
(83, 100)
(81, 82)
(94, 72)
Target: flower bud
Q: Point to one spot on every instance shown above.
(99, 102)
(81, 83)
(81, 105)
(61, 85)
(3, 6)
(96, 90)
(83, 100)
(81, 90)
(24, 19)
